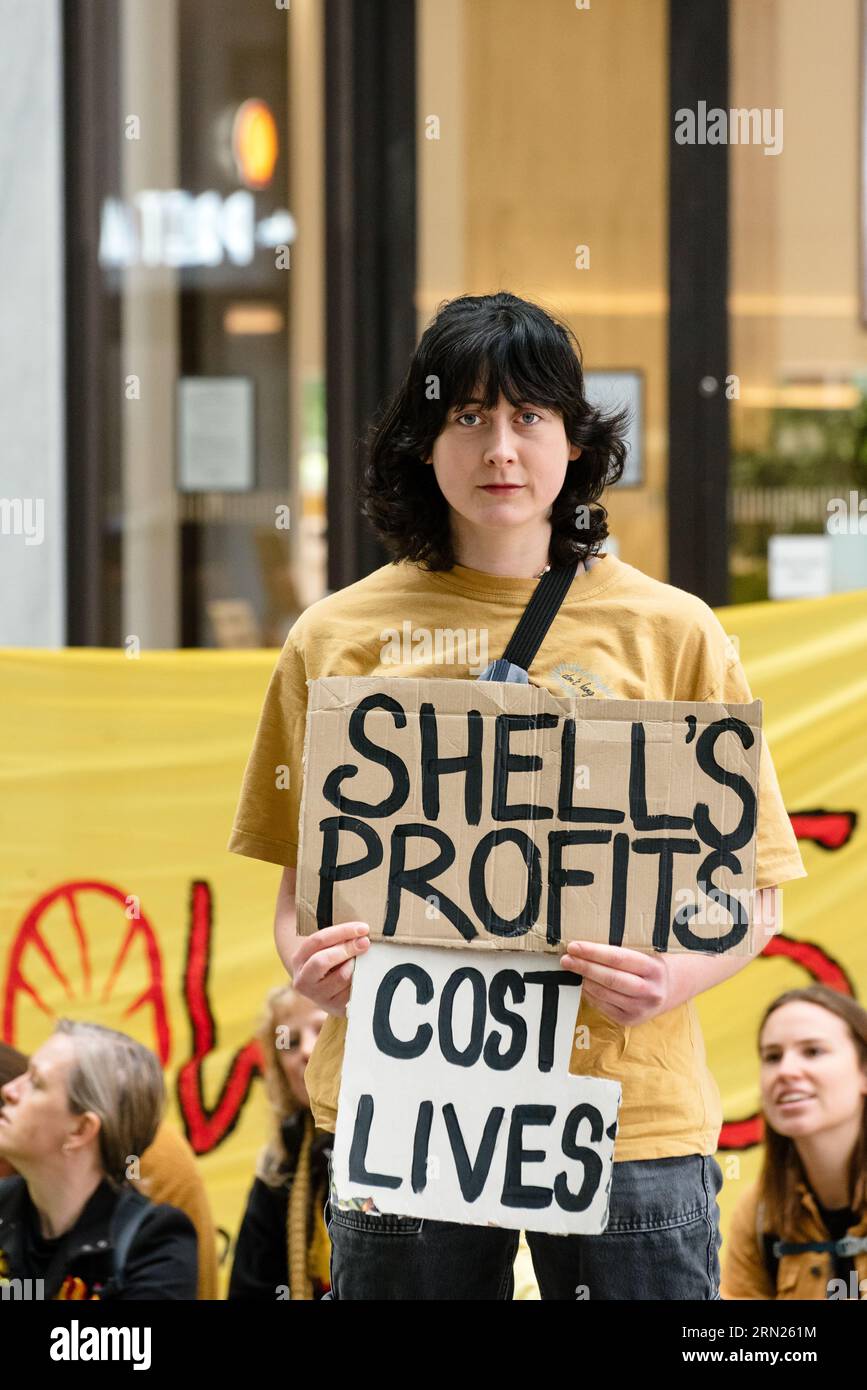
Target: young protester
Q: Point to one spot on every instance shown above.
(90, 1100)
(801, 1230)
(485, 470)
(282, 1249)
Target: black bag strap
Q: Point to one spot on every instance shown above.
(845, 1246)
(769, 1254)
(773, 1249)
(130, 1212)
(538, 616)
(766, 1241)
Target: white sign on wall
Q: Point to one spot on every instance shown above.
(611, 391)
(456, 1101)
(799, 567)
(216, 434)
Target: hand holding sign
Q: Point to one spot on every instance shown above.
(627, 986)
(321, 966)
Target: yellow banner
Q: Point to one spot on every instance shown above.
(807, 661)
(119, 902)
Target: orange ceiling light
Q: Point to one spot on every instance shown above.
(254, 143)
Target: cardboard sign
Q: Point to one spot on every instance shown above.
(456, 1102)
(486, 814)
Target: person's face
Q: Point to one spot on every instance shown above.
(523, 446)
(35, 1118)
(298, 1024)
(810, 1075)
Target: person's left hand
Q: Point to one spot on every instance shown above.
(627, 986)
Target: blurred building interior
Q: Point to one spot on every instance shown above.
(234, 222)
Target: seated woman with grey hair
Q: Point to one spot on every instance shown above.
(74, 1127)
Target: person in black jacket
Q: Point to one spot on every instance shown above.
(12, 1064)
(73, 1126)
(282, 1250)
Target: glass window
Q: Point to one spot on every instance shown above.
(211, 245)
(542, 169)
(798, 328)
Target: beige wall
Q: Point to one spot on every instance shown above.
(795, 216)
(553, 135)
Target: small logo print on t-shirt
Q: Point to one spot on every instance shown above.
(577, 680)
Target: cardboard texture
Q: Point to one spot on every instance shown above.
(492, 815)
(456, 1102)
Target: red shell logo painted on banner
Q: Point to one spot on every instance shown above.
(58, 937)
(827, 829)
(55, 937)
(208, 1126)
(43, 944)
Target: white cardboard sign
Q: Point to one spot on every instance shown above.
(456, 1101)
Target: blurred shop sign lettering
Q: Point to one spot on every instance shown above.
(175, 228)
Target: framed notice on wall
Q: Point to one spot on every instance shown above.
(611, 391)
(216, 434)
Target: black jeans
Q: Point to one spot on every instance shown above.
(662, 1242)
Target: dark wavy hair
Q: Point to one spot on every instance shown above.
(497, 343)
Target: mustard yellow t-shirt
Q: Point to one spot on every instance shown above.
(618, 634)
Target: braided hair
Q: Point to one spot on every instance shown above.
(304, 1233)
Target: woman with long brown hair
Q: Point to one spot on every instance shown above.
(801, 1230)
(282, 1248)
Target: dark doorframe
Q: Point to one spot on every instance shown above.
(91, 133)
(698, 420)
(370, 222)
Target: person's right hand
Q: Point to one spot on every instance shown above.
(322, 964)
